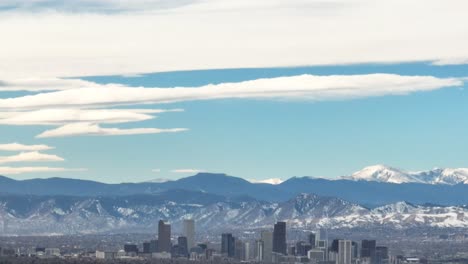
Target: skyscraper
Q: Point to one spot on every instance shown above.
(344, 252)
(312, 238)
(368, 249)
(279, 238)
(267, 238)
(259, 250)
(228, 245)
(164, 237)
(183, 248)
(381, 255)
(189, 232)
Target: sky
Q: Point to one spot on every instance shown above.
(131, 91)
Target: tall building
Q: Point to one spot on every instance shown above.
(246, 251)
(368, 250)
(189, 232)
(267, 239)
(311, 238)
(182, 242)
(334, 245)
(228, 245)
(164, 237)
(344, 252)
(239, 250)
(259, 250)
(279, 238)
(381, 255)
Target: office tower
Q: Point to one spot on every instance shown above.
(153, 246)
(228, 245)
(311, 238)
(164, 237)
(334, 245)
(146, 247)
(354, 250)
(381, 255)
(182, 242)
(267, 239)
(239, 250)
(344, 252)
(189, 232)
(279, 238)
(302, 248)
(246, 251)
(368, 250)
(258, 250)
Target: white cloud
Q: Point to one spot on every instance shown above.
(187, 171)
(450, 61)
(21, 147)
(89, 129)
(33, 156)
(156, 170)
(64, 116)
(104, 6)
(43, 84)
(303, 87)
(216, 34)
(21, 170)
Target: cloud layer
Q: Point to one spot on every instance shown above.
(89, 129)
(21, 147)
(34, 156)
(213, 34)
(81, 111)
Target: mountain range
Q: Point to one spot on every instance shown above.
(34, 215)
(372, 186)
(381, 173)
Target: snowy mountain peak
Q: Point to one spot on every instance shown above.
(382, 173)
(273, 181)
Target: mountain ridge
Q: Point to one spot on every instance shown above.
(35, 215)
(370, 193)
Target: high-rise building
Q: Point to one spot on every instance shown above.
(164, 237)
(183, 248)
(302, 248)
(381, 255)
(228, 245)
(259, 250)
(189, 232)
(153, 246)
(344, 252)
(267, 239)
(239, 250)
(334, 245)
(246, 251)
(279, 238)
(312, 239)
(368, 250)
(146, 247)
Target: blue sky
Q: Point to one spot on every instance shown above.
(259, 139)
(134, 90)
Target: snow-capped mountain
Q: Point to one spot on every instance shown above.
(381, 173)
(140, 213)
(272, 181)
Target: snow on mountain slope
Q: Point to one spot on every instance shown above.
(382, 173)
(59, 215)
(273, 181)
